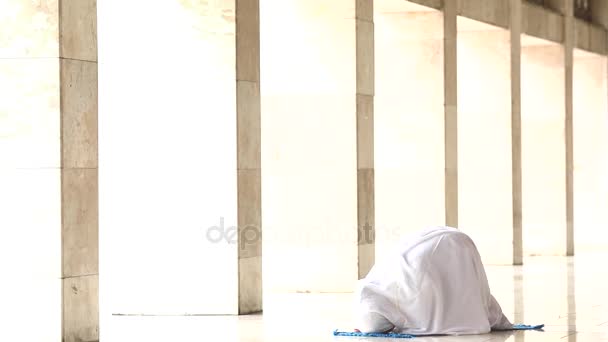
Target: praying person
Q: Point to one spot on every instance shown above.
(434, 283)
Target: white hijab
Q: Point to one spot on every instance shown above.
(435, 283)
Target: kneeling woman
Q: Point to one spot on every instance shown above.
(434, 284)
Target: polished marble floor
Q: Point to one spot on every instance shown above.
(569, 295)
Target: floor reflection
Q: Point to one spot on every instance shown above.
(571, 301)
(571, 298)
(518, 300)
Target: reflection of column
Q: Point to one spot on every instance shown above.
(451, 112)
(180, 131)
(568, 81)
(518, 298)
(48, 169)
(515, 19)
(571, 299)
(317, 94)
(364, 12)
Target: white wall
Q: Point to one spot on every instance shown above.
(309, 170)
(484, 139)
(30, 172)
(167, 156)
(409, 121)
(590, 130)
(543, 148)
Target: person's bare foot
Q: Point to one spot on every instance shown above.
(357, 330)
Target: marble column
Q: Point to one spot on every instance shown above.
(79, 176)
(568, 7)
(485, 176)
(450, 72)
(515, 20)
(48, 171)
(543, 147)
(409, 117)
(317, 149)
(248, 153)
(366, 215)
(180, 141)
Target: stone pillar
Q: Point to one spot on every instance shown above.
(317, 147)
(248, 152)
(48, 171)
(79, 185)
(568, 80)
(409, 120)
(180, 135)
(364, 25)
(450, 70)
(516, 173)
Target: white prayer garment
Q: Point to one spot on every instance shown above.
(434, 283)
